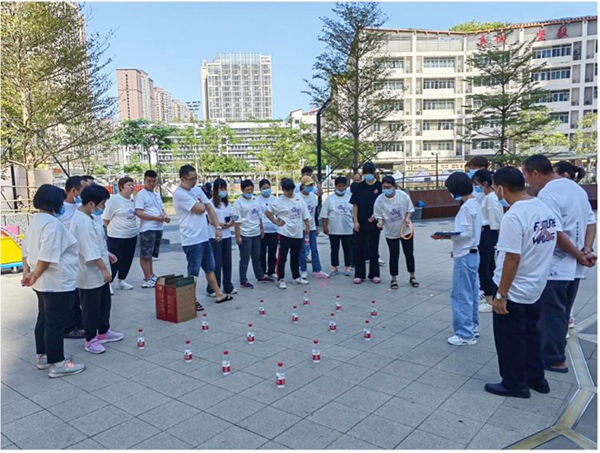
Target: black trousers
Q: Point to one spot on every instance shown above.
(556, 304)
(487, 261)
(222, 254)
(346, 241)
(367, 241)
(518, 344)
(123, 249)
(268, 253)
(53, 311)
(408, 249)
(95, 305)
(293, 246)
(74, 320)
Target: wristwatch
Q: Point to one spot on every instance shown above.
(219, 228)
(500, 297)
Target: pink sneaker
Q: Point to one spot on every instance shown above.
(93, 346)
(110, 337)
(376, 280)
(357, 281)
(320, 274)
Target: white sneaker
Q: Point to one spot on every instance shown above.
(304, 274)
(571, 323)
(320, 275)
(485, 308)
(300, 281)
(148, 283)
(122, 284)
(381, 262)
(282, 284)
(455, 340)
(482, 299)
(273, 276)
(211, 294)
(233, 291)
(154, 277)
(476, 332)
(568, 336)
(112, 291)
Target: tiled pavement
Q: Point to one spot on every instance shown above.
(405, 389)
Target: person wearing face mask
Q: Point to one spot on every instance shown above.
(492, 212)
(393, 209)
(465, 284)
(50, 269)
(120, 220)
(566, 169)
(367, 238)
(473, 165)
(307, 194)
(336, 216)
(308, 171)
(268, 243)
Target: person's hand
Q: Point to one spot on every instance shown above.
(356, 227)
(307, 232)
(218, 235)
(591, 258)
(281, 222)
(326, 229)
(238, 240)
(499, 307)
(106, 276)
(28, 279)
(380, 224)
(438, 237)
(167, 219)
(371, 219)
(262, 234)
(112, 258)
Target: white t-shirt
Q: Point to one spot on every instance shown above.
(479, 196)
(47, 239)
(393, 211)
(70, 209)
(247, 214)
(310, 201)
(529, 229)
(222, 211)
(193, 228)
(121, 213)
(264, 202)
(339, 214)
(90, 246)
(492, 211)
(151, 204)
(293, 212)
(571, 205)
(468, 222)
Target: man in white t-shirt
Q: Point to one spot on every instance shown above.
(192, 206)
(570, 203)
(526, 243)
(307, 194)
(149, 208)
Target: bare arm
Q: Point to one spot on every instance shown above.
(355, 215)
(142, 215)
(565, 244)
(307, 226)
(590, 237)
(29, 278)
(199, 208)
(214, 219)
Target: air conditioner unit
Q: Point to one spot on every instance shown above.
(587, 102)
(589, 79)
(418, 112)
(574, 102)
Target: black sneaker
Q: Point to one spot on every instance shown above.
(199, 306)
(75, 334)
(499, 389)
(541, 386)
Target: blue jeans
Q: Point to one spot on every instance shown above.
(314, 251)
(199, 255)
(464, 296)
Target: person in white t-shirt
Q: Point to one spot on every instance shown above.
(307, 194)
(246, 213)
(291, 216)
(465, 284)
(474, 165)
(308, 171)
(338, 221)
(120, 219)
(192, 208)
(492, 212)
(527, 241)
(393, 209)
(268, 243)
(571, 204)
(149, 208)
(221, 249)
(50, 268)
(93, 275)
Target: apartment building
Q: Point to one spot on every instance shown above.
(135, 95)
(163, 105)
(428, 71)
(181, 113)
(237, 87)
(194, 108)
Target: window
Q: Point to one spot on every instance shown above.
(439, 104)
(485, 144)
(393, 84)
(441, 125)
(395, 127)
(595, 92)
(554, 51)
(394, 63)
(438, 146)
(552, 74)
(376, 127)
(555, 96)
(438, 62)
(561, 117)
(390, 147)
(396, 106)
(438, 84)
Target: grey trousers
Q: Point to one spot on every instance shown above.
(250, 248)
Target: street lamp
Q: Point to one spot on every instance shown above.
(319, 161)
(437, 177)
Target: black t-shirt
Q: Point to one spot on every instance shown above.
(364, 197)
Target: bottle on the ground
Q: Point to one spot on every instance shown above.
(280, 376)
(332, 323)
(226, 364)
(367, 331)
(338, 303)
(373, 309)
(305, 300)
(316, 353)
(261, 308)
(295, 315)
(205, 325)
(141, 343)
(250, 335)
(187, 352)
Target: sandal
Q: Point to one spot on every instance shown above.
(413, 282)
(227, 298)
(394, 285)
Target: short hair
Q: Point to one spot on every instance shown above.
(478, 161)
(538, 162)
(341, 180)
(510, 178)
(368, 167)
(389, 180)
(49, 198)
(263, 182)
(216, 198)
(575, 173)
(306, 170)
(459, 183)
(185, 170)
(89, 178)
(94, 193)
(287, 184)
(124, 180)
(246, 183)
(74, 182)
(482, 176)
(150, 174)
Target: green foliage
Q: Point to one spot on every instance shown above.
(473, 26)
(542, 140)
(229, 164)
(585, 139)
(284, 148)
(144, 136)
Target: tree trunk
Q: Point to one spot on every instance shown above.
(30, 169)
(356, 153)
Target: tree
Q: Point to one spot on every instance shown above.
(505, 112)
(585, 138)
(283, 148)
(229, 164)
(473, 26)
(542, 140)
(145, 137)
(352, 71)
(55, 99)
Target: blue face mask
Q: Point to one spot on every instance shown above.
(266, 192)
(60, 212)
(308, 189)
(340, 192)
(98, 211)
(470, 173)
(369, 177)
(458, 197)
(247, 196)
(388, 192)
(78, 199)
(223, 194)
(504, 203)
(478, 189)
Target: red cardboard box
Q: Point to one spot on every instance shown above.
(175, 298)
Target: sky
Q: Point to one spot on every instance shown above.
(169, 40)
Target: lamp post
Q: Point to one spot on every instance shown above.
(437, 177)
(319, 160)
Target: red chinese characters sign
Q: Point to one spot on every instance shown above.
(500, 38)
(541, 34)
(482, 40)
(562, 32)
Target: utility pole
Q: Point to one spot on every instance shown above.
(437, 177)
(319, 160)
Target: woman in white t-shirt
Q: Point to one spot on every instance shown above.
(50, 268)
(120, 220)
(393, 209)
(268, 243)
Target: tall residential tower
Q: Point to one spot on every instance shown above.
(135, 92)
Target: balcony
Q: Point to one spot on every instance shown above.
(576, 55)
(589, 79)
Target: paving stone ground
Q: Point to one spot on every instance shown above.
(405, 389)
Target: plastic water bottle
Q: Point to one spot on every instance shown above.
(261, 308)
(141, 343)
(187, 352)
(332, 323)
(338, 303)
(280, 376)
(373, 309)
(250, 335)
(305, 298)
(226, 363)
(295, 315)
(367, 331)
(205, 325)
(316, 353)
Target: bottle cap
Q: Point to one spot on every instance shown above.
(280, 364)
(188, 341)
(225, 352)
(367, 321)
(316, 341)
(250, 325)
(295, 306)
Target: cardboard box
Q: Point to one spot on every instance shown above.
(175, 298)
